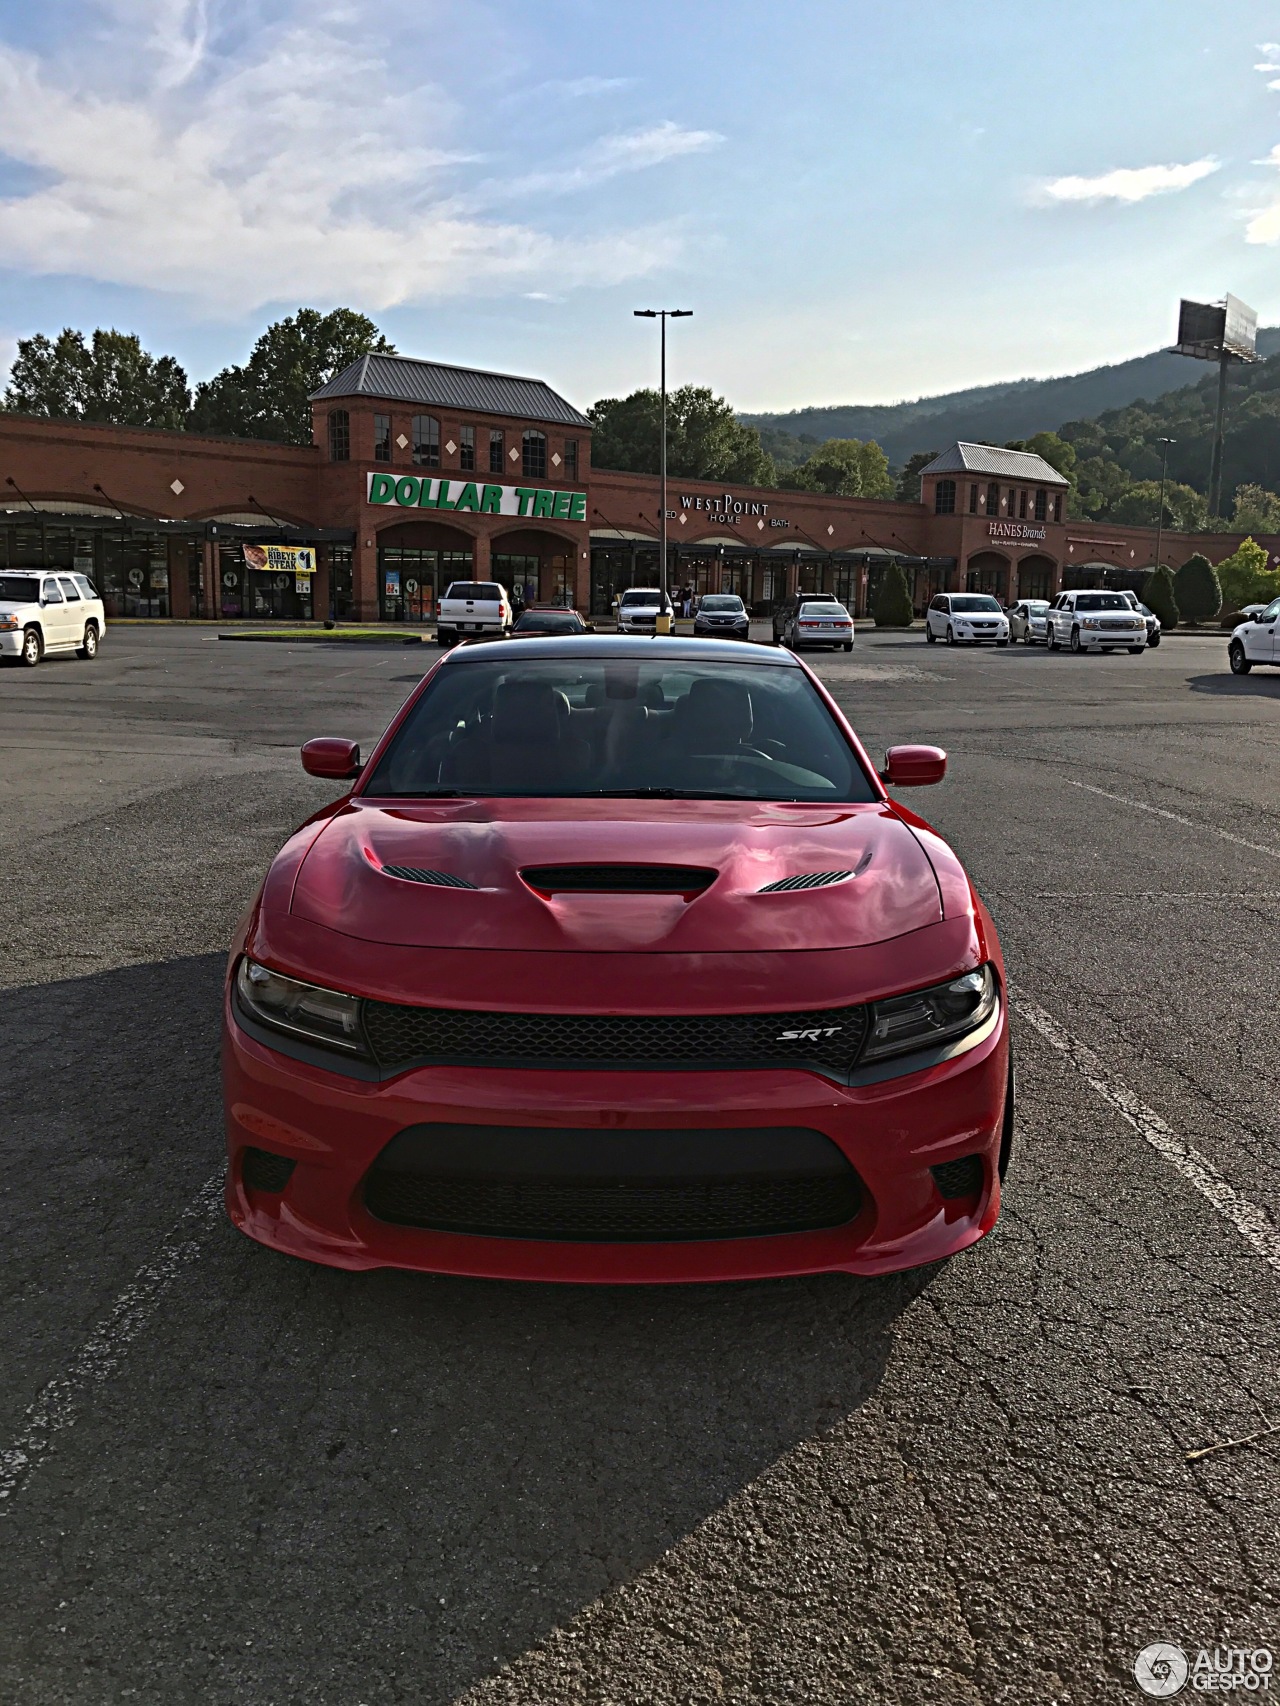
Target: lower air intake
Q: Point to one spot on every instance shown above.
(962, 1178)
(618, 879)
(263, 1171)
(612, 1187)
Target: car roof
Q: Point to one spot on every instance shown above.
(669, 648)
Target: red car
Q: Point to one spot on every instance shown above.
(617, 963)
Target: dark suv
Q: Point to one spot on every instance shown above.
(782, 613)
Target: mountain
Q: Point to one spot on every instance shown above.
(986, 413)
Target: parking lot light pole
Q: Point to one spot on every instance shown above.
(1164, 444)
(664, 624)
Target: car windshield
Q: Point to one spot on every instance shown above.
(536, 622)
(622, 726)
(1101, 601)
(487, 591)
(645, 595)
(968, 606)
(722, 601)
(20, 589)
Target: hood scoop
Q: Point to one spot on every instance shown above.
(433, 879)
(686, 880)
(807, 880)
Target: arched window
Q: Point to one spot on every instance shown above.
(993, 499)
(339, 435)
(426, 441)
(534, 465)
(944, 498)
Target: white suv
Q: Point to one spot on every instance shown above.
(1105, 620)
(42, 613)
(968, 616)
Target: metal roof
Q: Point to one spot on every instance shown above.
(965, 458)
(401, 379)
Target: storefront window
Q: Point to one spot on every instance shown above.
(382, 438)
(426, 441)
(135, 576)
(341, 586)
(339, 435)
(534, 465)
(411, 581)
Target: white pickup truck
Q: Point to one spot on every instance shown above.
(472, 607)
(41, 613)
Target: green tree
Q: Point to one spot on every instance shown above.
(1158, 595)
(1245, 576)
(908, 488)
(1255, 510)
(1139, 504)
(705, 439)
(267, 397)
(113, 379)
(1197, 590)
(892, 608)
(1057, 452)
(843, 468)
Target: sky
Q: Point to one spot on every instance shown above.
(860, 203)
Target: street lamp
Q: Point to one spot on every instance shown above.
(663, 625)
(1164, 444)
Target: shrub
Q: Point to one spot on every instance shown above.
(1158, 595)
(1196, 588)
(893, 600)
(1244, 576)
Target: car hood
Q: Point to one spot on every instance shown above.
(13, 607)
(343, 882)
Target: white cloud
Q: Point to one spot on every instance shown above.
(1128, 183)
(297, 165)
(627, 151)
(577, 87)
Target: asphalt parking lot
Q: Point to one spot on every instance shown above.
(231, 1478)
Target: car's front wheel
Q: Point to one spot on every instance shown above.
(951, 635)
(88, 649)
(1074, 642)
(1051, 638)
(1026, 638)
(1152, 640)
(1240, 664)
(32, 649)
(1136, 651)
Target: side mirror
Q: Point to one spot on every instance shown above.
(913, 766)
(337, 760)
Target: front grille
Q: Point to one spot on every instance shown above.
(962, 1178)
(827, 1040)
(612, 1187)
(263, 1171)
(809, 880)
(618, 879)
(435, 879)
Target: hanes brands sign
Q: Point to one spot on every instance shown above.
(410, 491)
(1014, 530)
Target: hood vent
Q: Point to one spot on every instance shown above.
(433, 879)
(809, 880)
(619, 879)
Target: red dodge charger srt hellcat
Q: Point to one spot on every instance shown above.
(617, 963)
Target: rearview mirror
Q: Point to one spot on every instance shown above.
(913, 766)
(336, 760)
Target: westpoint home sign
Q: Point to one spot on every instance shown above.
(411, 492)
(726, 509)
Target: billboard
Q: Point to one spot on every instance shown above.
(1240, 334)
(1210, 330)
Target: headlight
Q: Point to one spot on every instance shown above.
(8, 622)
(321, 1016)
(906, 1023)
(1089, 622)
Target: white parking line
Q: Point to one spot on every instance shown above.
(57, 1405)
(1173, 817)
(1249, 1220)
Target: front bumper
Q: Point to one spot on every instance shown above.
(722, 631)
(10, 642)
(334, 1127)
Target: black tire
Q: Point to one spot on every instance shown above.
(848, 645)
(1000, 643)
(1026, 638)
(951, 635)
(1152, 641)
(89, 650)
(1074, 641)
(929, 634)
(1136, 651)
(1051, 639)
(1240, 664)
(32, 647)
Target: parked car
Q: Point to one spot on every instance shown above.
(472, 607)
(1256, 641)
(45, 613)
(1028, 621)
(722, 615)
(1098, 620)
(543, 619)
(968, 617)
(819, 624)
(1148, 616)
(555, 991)
(785, 612)
(638, 609)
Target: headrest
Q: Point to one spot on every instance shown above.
(526, 713)
(719, 710)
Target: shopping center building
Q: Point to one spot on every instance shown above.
(420, 473)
